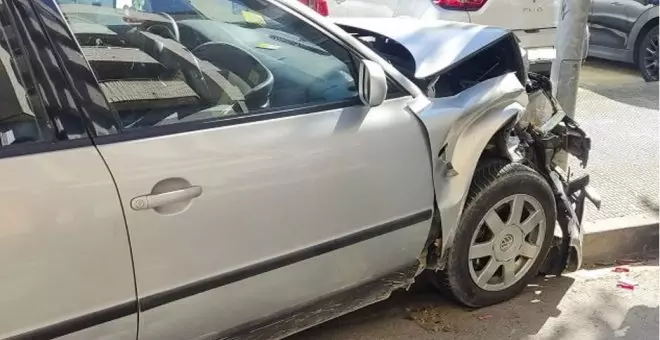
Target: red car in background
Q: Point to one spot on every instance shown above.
(320, 6)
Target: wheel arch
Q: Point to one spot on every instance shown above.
(644, 23)
(456, 167)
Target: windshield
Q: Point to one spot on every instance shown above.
(164, 61)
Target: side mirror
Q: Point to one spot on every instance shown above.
(372, 83)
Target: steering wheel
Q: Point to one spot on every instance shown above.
(159, 28)
(253, 78)
(175, 26)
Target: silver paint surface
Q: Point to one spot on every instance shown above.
(268, 188)
(465, 123)
(63, 246)
(271, 188)
(434, 45)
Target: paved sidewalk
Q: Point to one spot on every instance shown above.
(620, 112)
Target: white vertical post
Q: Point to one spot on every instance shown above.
(571, 46)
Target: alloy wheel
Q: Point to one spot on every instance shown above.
(507, 242)
(650, 62)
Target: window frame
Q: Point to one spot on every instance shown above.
(51, 139)
(103, 137)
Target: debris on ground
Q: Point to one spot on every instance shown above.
(631, 261)
(624, 282)
(625, 286)
(621, 270)
(485, 317)
(628, 281)
(431, 319)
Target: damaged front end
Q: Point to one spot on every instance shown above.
(474, 77)
(542, 139)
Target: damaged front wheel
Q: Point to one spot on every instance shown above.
(503, 237)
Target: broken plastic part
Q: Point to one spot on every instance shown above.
(547, 132)
(621, 270)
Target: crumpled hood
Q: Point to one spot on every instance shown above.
(435, 45)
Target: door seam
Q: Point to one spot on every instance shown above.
(128, 237)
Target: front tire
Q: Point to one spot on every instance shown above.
(647, 55)
(503, 236)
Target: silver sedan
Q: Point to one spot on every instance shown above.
(218, 169)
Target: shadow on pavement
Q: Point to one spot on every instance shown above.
(640, 322)
(630, 328)
(651, 204)
(422, 313)
(620, 68)
(619, 82)
(638, 94)
(587, 305)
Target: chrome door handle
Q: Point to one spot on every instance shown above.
(146, 202)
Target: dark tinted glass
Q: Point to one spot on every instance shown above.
(169, 61)
(22, 116)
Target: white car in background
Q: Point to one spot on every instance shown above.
(533, 21)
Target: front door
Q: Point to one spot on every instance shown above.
(252, 178)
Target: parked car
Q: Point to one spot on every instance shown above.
(224, 170)
(627, 31)
(534, 22)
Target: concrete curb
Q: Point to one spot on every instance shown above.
(607, 240)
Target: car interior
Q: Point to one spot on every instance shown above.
(161, 68)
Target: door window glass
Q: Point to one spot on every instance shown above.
(169, 61)
(22, 117)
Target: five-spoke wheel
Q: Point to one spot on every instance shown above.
(503, 236)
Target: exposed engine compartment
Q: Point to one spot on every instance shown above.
(540, 139)
(498, 58)
(494, 60)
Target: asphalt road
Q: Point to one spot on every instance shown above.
(620, 111)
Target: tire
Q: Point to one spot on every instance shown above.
(647, 55)
(494, 183)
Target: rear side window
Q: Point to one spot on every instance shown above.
(22, 115)
(161, 62)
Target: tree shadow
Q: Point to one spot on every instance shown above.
(650, 204)
(640, 322)
(554, 308)
(631, 329)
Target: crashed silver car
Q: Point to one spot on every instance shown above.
(224, 169)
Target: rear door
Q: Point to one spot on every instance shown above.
(279, 190)
(533, 21)
(65, 261)
(612, 21)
